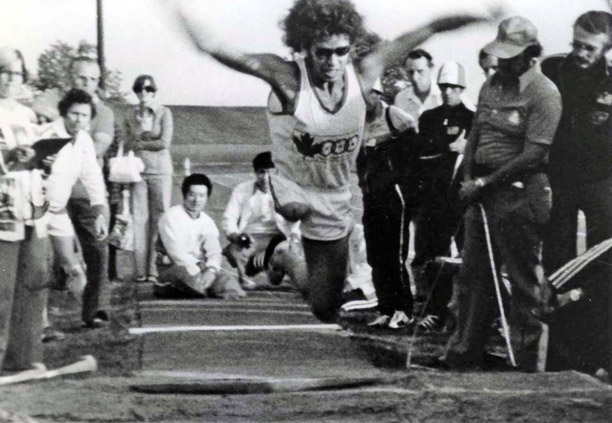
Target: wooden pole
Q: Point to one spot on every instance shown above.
(100, 26)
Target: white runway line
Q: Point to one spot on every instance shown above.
(235, 328)
(233, 310)
(206, 303)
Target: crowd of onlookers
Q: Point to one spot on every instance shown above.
(487, 184)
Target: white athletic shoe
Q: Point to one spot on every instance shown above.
(399, 320)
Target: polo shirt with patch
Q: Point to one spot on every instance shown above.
(513, 113)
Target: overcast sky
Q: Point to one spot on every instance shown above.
(140, 38)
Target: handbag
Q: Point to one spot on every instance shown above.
(122, 234)
(125, 169)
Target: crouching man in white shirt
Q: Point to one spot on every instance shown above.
(260, 238)
(190, 240)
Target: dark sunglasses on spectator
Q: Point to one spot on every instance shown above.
(148, 89)
(323, 52)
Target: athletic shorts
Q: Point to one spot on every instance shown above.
(330, 216)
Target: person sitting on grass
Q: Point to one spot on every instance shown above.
(260, 238)
(189, 241)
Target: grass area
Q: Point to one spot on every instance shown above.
(215, 125)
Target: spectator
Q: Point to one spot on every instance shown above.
(443, 131)
(190, 240)
(148, 132)
(518, 112)
(86, 76)
(422, 94)
(581, 179)
(383, 165)
(75, 162)
(260, 238)
(23, 243)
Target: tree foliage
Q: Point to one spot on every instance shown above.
(54, 70)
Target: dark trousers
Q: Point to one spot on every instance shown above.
(386, 220)
(439, 220)
(23, 296)
(327, 264)
(581, 336)
(95, 254)
(516, 217)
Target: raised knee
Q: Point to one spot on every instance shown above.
(294, 211)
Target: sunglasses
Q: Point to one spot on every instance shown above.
(323, 52)
(148, 89)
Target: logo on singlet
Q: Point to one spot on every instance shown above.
(309, 146)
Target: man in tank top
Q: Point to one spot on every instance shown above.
(316, 117)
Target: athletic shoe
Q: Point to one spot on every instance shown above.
(52, 335)
(248, 285)
(381, 321)
(399, 320)
(429, 323)
(356, 300)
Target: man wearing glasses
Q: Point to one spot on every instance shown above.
(316, 115)
(581, 179)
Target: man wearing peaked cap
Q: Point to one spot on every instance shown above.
(442, 132)
(505, 156)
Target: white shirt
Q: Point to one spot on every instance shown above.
(188, 241)
(76, 161)
(251, 210)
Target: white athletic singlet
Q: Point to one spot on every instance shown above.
(314, 147)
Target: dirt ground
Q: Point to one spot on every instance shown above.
(416, 395)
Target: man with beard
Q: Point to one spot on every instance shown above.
(518, 112)
(581, 179)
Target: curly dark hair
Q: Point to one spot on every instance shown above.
(310, 21)
(75, 96)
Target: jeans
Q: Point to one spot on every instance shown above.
(23, 296)
(150, 200)
(95, 254)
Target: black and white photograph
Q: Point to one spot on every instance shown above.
(346, 211)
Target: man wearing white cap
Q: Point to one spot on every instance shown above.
(518, 112)
(442, 133)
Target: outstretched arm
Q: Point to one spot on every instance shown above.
(387, 54)
(277, 72)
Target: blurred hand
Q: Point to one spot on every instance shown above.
(458, 146)
(49, 160)
(24, 153)
(209, 276)
(470, 191)
(101, 227)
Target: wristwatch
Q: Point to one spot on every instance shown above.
(480, 182)
(212, 269)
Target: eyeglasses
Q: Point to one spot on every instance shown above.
(577, 45)
(148, 89)
(326, 53)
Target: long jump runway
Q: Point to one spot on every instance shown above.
(269, 334)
